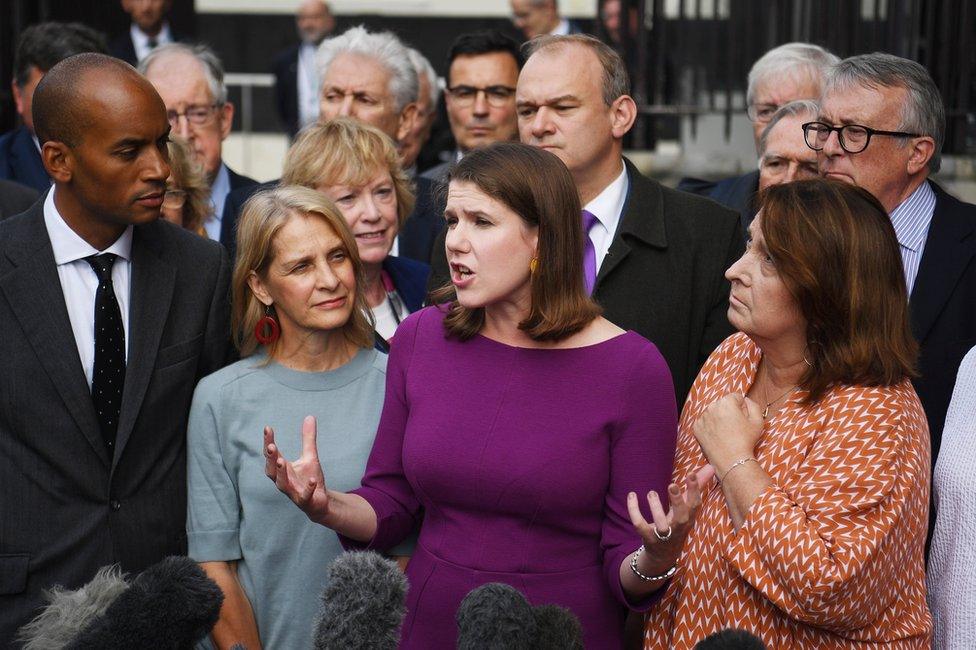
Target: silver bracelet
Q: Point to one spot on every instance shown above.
(741, 461)
(664, 576)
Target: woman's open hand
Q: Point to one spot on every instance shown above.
(302, 480)
(664, 538)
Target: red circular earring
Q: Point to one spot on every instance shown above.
(267, 329)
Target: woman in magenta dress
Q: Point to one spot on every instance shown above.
(518, 423)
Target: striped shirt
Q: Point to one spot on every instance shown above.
(911, 220)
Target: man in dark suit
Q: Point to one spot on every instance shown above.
(881, 126)
(784, 74)
(660, 254)
(540, 18)
(39, 48)
(149, 29)
(190, 79)
(110, 316)
(295, 71)
(368, 76)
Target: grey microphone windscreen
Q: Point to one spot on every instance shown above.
(496, 616)
(363, 604)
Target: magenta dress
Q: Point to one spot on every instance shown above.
(519, 461)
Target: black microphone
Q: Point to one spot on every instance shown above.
(497, 616)
(731, 639)
(363, 605)
(169, 606)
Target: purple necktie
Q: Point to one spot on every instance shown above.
(589, 253)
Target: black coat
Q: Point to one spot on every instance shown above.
(664, 275)
(67, 506)
(15, 198)
(738, 193)
(20, 161)
(943, 306)
(285, 69)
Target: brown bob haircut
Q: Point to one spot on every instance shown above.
(262, 218)
(535, 185)
(836, 251)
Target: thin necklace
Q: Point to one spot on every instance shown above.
(769, 402)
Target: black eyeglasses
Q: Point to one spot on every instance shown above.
(497, 96)
(196, 115)
(853, 138)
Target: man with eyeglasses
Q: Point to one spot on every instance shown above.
(190, 79)
(784, 74)
(482, 70)
(881, 126)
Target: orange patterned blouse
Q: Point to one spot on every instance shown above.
(831, 554)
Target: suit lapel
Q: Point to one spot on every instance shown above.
(946, 255)
(151, 295)
(34, 292)
(642, 218)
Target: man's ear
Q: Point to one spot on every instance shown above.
(408, 117)
(258, 289)
(18, 97)
(922, 150)
(226, 116)
(623, 112)
(58, 161)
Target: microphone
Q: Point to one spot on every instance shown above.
(496, 616)
(171, 605)
(363, 605)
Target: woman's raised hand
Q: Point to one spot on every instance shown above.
(664, 537)
(302, 480)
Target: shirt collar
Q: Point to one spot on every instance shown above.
(609, 203)
(562, 29)
(220, 188)
(68, 246)
(912, 217)
(141, 39)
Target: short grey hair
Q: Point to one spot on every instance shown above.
(422, 66)
(923, 111)
(213, 69)
(384, 48)
(793, 109)
(615, 82)
(793, 61)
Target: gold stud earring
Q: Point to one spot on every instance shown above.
(533, 265)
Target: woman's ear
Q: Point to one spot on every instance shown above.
(259, 289)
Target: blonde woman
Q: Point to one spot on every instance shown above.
(358, 168)
(187, 199)
(301, 326)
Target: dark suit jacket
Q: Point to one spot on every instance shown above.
(738, 193)
(285, 69)
(68, 506)
(943, 306)
(409, 278)
(15, 198)
(664, 275)
(416, 236)
(228, 228)
(20, 161)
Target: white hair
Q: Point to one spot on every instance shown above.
(796, 61)
(213, 69)
(384, 48)
(793, 109)
(423, 67)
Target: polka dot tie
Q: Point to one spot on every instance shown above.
(108, 374)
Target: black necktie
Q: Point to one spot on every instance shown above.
(108, 374)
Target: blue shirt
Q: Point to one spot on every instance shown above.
(911, 220)
(218, 196)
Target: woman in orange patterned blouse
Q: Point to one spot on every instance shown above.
(812, 534)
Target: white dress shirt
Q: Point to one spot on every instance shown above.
(562, 29)
(218, 196)
(140, 41)
(308, 86)
(79, 281)
(607, 208)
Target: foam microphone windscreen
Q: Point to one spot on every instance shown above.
(496, 616)
(171, 605)
(559, 629)
(363, 604)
